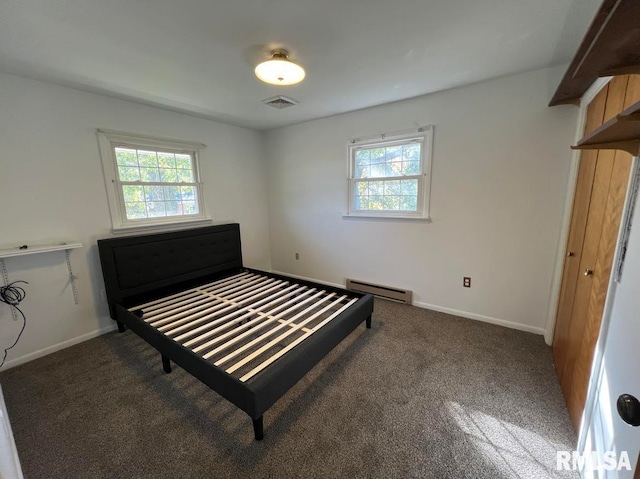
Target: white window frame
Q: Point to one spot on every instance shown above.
(108, 141)
(424, 136)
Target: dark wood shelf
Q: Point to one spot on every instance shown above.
(619, 133)
(610, 47)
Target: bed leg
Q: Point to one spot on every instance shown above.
(166, 364)
(368, 322)
(257, 429)
(121, 327)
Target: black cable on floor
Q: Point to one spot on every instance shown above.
(13, 296)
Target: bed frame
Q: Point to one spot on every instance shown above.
(247, 334)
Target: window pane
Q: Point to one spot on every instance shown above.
(127, 173)
(363, 157)
(183, 161)
(376, 187)
(155, 209)
(173, 208)
(149, 174)
(391, 202)
(126, 157)
(168, 175)
(362, 202)
(380, 176)
(411, 152)
(393, 153)
(363, 172)
(393, 169)
(133, 193)
(362, 188)
(189, 208)
(409, 203)
(172, 193)
(411, 168)
(392, 187)
(377, 155)
(188, 192)
(153, 193)
(136, 210)
(166, 160)
(375, 202)
(185, 176)
(378, 170)
(147, 158)
(409, 187)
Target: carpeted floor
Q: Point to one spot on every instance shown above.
(421, 394)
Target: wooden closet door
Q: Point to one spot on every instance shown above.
(581, 201)
(614, 205)
(595, 223)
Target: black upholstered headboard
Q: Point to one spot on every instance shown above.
(133, 266)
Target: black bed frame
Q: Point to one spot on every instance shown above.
(144, 268)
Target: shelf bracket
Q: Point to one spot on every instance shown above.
(72, 278)
(5, 278)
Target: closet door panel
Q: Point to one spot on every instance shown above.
(572, 259)
(596, 250)
(581, 201)
(600, 283)
(603, 266)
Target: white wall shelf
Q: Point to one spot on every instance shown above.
(35, 249)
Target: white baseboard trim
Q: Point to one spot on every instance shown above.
(57, 347)
(441, 309)
(480, 317)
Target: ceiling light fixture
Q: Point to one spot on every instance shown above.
(279, 70)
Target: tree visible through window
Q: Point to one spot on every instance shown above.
(390, 177)
(156, 183)
(151, 181)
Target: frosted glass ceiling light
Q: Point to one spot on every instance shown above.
(279, 70)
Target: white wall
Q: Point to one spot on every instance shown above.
(52, 189)
(500, 171)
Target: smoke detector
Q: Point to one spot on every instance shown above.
(280, 102)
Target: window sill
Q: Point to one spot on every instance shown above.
(368, 217)
(160, 227)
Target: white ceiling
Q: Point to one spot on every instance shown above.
(198, 56)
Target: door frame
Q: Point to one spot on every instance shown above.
(561, 248)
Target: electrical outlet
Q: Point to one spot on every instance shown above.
(297, 256)
(466, 281)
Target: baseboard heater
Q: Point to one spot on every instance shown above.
(386, 292)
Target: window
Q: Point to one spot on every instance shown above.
(151, 181)
(390, 177)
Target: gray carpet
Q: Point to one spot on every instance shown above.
(421, 394)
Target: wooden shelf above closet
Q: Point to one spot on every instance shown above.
(610, 47)
(619, 133)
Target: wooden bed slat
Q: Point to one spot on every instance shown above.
(288, 348)
(158, 311)
(179, 325)
(256, 309)
(151, 303)
(263, 320)
(232, 305)
(254, 289)
(213, 332)
(271, 343)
